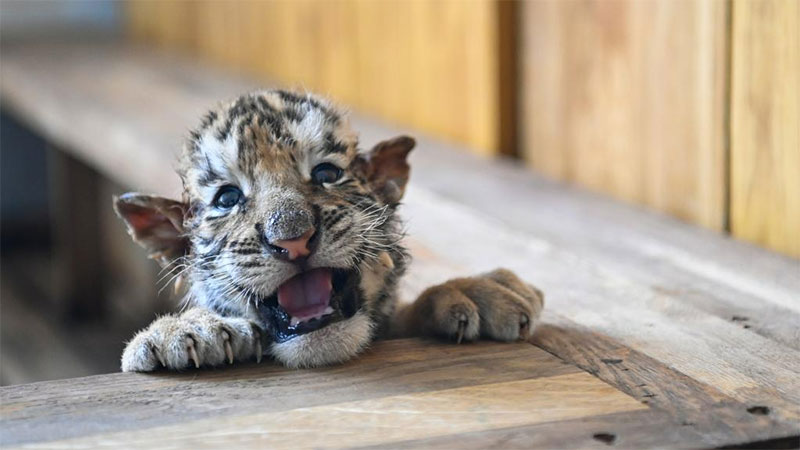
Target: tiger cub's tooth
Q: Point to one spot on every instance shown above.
(294, 322)
(328, 310)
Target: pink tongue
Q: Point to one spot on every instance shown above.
(307, 294)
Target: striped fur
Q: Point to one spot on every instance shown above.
(267, 143)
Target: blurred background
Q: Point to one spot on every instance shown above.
(687, 107)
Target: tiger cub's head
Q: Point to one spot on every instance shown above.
(284, 221)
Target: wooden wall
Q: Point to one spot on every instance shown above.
(426, 64)
(689, 107)
(627, 97)
(765, 124)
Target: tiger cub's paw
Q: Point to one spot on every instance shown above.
(195, 338)
(495, 305)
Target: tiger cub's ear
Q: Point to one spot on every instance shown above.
(155, 223)
(385, 168)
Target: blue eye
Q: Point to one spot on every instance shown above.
(325, 173)
(227, 197)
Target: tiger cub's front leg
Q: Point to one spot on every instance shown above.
(195, 338)
(495, 305)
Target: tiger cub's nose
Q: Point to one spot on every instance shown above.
(296, 247)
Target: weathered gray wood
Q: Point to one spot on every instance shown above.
(746, 366)
(696, 406)
(48, 411)
(385, 420)
(634, 430)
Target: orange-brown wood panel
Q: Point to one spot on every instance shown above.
(165, 24)
(765, 124)
(432, 65)
(628, 97)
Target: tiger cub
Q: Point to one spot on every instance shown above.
(288, 238)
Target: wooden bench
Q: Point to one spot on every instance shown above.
(655, 333)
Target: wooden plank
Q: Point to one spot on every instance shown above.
(626, 430)
(765, 124)
(627, 98)
(700, 407)
(387, 420)
(112, 105)
(742, 365)
(87, 406)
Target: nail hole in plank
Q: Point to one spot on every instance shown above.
(758, 410)
(606, 438)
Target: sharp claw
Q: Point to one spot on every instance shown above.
(192, 352)
(258, 347)
(229, 352)
(462, 326)
(524, 324)
(158, 356)
(226, 337)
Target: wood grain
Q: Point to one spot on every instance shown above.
(636, 429)
(700, 407)
(745, 366)
(627, 98)
(409, 62)
(765, 124)
(87, 406)
(389, 419)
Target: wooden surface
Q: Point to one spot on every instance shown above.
(700, 330)
(409, 62)
(627, 97)
(398, 391)
(765, 124)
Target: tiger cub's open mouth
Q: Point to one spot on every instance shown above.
(309, 301)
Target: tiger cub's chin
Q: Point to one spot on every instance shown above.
(333, 344)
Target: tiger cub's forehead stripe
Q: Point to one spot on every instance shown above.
(293, 98)
(276, 111)
(262, 133)
(209, 175)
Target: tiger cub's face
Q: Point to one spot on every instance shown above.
(285, 222)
